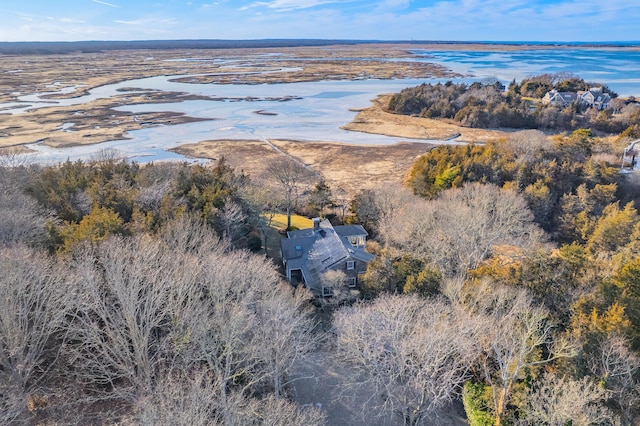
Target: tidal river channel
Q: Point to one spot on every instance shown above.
(315, 111)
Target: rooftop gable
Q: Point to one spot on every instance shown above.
(315, 250)
(350, 230)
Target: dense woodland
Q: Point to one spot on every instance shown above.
(486, 105)
(506, 280)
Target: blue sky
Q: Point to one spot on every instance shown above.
(499, 20)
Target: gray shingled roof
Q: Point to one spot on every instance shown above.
(568, 96)
(350, 230)
(316, 252)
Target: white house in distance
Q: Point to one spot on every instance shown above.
(308, 253)
(560, 99)
(630, 157)
(594, 98)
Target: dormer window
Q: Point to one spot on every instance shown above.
(357, 240)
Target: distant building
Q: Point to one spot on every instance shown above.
(309, 253)
(630, 157)
(560, 99)
(594, 98)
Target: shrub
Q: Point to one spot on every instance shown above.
(476, 399)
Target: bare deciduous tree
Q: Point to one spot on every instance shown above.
(528, 143)
(153, 184)
(556, 401)
(107, 155)
(460, 228)
(188, 234)
(285, 333)
(179, 400)
(34, 301)
(232, 219)
(12, 157)
(136, 318)
(194, 401)
(264, 203)
(270, 411)
(132, 291)
(292, 177)
(183, 304)
(389, 201)
(514, 333)
(342, 200)
(617, 366)
(410, 354)
(336, 280)
(249, 330)
(23, 221)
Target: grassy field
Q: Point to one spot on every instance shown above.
(300, 222)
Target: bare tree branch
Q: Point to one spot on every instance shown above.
(34, 301)
(412, 355)
(292, 177)
(555, 401)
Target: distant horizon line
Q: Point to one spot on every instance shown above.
(314, 39)
(25, 47)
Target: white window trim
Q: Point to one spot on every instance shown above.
(351, 265)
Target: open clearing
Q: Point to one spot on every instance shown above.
(347, 168)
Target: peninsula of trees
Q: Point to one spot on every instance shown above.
(521, 106)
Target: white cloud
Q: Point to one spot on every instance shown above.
(135, 22)
(288, 5)
(147, 22)
(105, 3)
(394, 4)
(535, 20)
(71, 21)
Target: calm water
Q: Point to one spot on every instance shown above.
(317, 113)
(619, 69)
(322, 107)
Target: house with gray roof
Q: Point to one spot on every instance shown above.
(309, 253)
(595, 98)
(560, 99)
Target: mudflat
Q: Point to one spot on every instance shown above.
(348, 167)
(72, 75)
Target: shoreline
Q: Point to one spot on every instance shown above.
(376, 120)
(98, 121)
